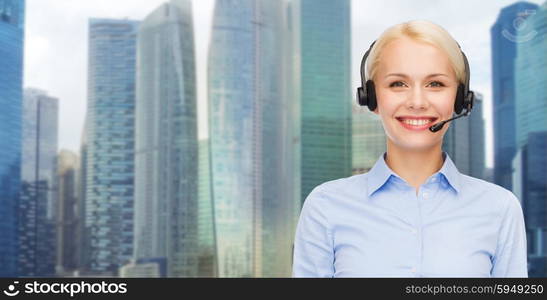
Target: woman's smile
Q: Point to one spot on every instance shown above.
(416, 123)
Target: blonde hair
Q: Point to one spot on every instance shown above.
(422, 31)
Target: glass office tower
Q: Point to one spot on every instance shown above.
(12, 14)
(252, 216)
(531, 134)
(206, 225)
(504, 40)
(166, 158)
(38, 197)
(530, 73)
(368, 139)
(110, 144)
(325, 91)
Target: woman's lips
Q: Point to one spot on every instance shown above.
(423, 123)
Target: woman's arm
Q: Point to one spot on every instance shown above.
(510, 259)
(313, 244)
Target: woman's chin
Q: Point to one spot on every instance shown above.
(409, 143)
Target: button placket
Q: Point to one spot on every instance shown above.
(415, 230)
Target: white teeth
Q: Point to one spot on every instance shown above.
(416, 122)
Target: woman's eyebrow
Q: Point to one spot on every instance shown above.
(436, 74)
(406, 76)
(397, 75)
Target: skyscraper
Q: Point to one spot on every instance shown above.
(456, 143)
(12, 14)
(82, 238)
(252, 217)
(145, 268)
(325, 91)
(206, 225)
(110, 143)
(166, 158)
(530, 73)
(368, 139)
(67, 216)
(504, 39)
(531, 135)
(291, 116)
(530, 166)
(477, 141)
(464, 141)
(38, 202)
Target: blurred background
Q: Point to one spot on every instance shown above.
(180, 138)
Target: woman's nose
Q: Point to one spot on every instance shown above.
(416, 99)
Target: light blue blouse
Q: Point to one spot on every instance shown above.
(374, 225)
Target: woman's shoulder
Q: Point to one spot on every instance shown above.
(490, 193)
(349, 184)
(334, 197)
(471, 182)
(338, 189)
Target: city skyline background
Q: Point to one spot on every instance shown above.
(51, 25)
(160, 140)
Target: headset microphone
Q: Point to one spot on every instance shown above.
(439, 126)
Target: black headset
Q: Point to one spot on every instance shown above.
(366, 94)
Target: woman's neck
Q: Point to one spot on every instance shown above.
(414, 166)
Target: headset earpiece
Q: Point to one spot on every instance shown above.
(361, 97)
(458, 104)
(470, 99)
(371, 95)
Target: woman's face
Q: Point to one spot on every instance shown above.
(416, 88)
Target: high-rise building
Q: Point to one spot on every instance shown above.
(38, 202)
(530, 171)
(489, 174)
(368, 139)
(206, 226)
(477, 140)
(253, 218)
(464, 141)
(82, 232)
(12, 14)
(291, 116)
(530, 166)
(530, 73)
(145, 268)
(67, 216)
(110, 144)
(504, 40)
(325, 91)
(456, 143)
(166, 157)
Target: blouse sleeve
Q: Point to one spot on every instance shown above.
(510, 258)
(313, 245)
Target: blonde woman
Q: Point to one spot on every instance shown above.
(413, 214)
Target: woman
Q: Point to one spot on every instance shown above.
(413, 214)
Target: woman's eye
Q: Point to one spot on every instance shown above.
(436, 84)
(397, 84)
